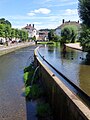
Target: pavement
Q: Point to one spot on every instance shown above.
(74, 46)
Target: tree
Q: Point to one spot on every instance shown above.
(51, 35)
(84, 13)
(17, 32)
(85, 38)
(57, 38)
(12, 33)
(7, 31)
(2, 33)
(68, 34)
(6, 22)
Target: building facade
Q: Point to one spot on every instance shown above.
(66, 23)
(32, 32)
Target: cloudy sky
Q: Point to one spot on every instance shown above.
(42, 13)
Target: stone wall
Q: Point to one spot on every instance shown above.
(65, 105)
(9, 49)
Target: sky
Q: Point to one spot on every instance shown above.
(42, 13)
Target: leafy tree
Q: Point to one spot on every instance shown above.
(84, 13)
(68, 34)
(2, 33)
(57, 38)
(51, 35)
(85, 38)
(23, 35)
(7, 31)
(17, 32)
(12, 33)
(6, 22)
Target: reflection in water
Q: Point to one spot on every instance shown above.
(71, 63)
(84, 76)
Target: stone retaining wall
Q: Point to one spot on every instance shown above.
(8, 49)
(65, 105)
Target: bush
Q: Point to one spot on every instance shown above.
(36, 91)
(43, 110)
(26, 77)
(29, 68)
(27, 91)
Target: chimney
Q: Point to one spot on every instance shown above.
(30, 25)
(27, 24)
(33, 25)
(63, 21)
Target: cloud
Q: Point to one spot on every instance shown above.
(31, 14)
(40, 10)
(71, 12)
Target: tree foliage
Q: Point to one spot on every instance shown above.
(85, 38)
(6, 22)
(51, 35)
(68, 34)
(9, 33)
(84, 13)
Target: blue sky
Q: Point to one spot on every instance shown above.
(42, 13)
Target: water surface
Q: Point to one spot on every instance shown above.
(12, 99)
(71, 63)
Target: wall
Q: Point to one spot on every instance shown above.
(65, 105)
(9, 49)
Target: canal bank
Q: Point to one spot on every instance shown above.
(7, 49)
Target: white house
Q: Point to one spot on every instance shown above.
(65, 23)
(32, 32)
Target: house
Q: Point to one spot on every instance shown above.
(43, 35)
(59, 28)
(32, 32)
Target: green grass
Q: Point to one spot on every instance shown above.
(43, 43)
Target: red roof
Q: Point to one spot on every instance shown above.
(29, 27)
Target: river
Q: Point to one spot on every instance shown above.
(12, 99)
(72, 64)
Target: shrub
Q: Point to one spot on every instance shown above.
(27, 91)
(26, 77)
(36, 91)
(43, 110)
